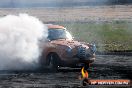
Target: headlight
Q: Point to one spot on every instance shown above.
(93, 48)
(69, 51)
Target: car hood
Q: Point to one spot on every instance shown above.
(66, 42)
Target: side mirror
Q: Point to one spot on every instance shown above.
(48, 40)
(93, 48)
(45, 40)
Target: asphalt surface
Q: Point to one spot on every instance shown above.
(105, 67)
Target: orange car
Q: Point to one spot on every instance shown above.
(62, 50)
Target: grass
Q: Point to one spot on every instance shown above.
(108, 36)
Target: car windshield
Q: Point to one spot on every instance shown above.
(58, 34)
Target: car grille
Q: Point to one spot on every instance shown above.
(81, 52)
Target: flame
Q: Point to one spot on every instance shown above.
(84, 73)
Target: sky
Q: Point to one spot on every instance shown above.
(57, 3)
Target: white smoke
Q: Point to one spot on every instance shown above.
(19, 39)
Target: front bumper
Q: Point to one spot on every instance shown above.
(76, 61)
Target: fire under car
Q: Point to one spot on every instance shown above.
(61, 50)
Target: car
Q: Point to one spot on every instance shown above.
(62, 50)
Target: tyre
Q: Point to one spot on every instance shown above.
(53, 62)
(86, 66)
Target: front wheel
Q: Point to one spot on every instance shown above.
(86, 66)
(53, 62)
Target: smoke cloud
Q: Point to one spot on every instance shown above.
(19, 41)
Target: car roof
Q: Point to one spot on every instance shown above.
(51, 26)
